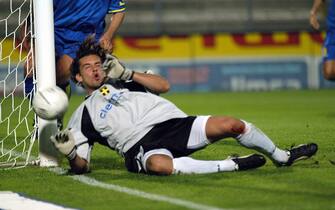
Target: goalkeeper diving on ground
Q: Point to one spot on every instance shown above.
(123, 113)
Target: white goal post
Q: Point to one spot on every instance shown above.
(22, 22)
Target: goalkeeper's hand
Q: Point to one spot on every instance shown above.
(115, 70)
(64, 142)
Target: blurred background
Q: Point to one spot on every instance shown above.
(212, 45)
(175, 17)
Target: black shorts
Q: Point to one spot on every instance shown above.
(171, 135)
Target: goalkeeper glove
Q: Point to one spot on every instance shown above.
(115, 70)
(64, 142)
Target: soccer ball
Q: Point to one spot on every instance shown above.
(50, 103)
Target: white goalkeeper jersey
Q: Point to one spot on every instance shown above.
(118, 118)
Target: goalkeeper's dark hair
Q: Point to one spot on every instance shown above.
(89, 47)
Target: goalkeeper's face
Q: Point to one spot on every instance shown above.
(90, 75)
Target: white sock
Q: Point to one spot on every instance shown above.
(256, 139)
(187, 165)
(280, 155)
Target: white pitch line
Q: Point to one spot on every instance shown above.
(93, 182)
(138, 193)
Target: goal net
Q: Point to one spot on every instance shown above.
(18, 69)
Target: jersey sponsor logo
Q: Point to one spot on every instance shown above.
(105, 109)
(115, 98)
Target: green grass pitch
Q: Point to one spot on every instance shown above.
(288, 117)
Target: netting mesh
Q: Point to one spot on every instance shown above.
(17, 127)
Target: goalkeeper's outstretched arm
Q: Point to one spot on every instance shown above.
(65, 144)
(153, 82)
(116, 70)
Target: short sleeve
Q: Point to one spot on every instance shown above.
(116, 6)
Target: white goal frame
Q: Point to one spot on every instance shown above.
(21, 129)
(45, 74)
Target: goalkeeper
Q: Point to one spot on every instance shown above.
(150, 132)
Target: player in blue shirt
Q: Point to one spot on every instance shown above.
(74, 21)
(329, 44)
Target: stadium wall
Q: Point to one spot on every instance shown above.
(230, 62)
(216, 62)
